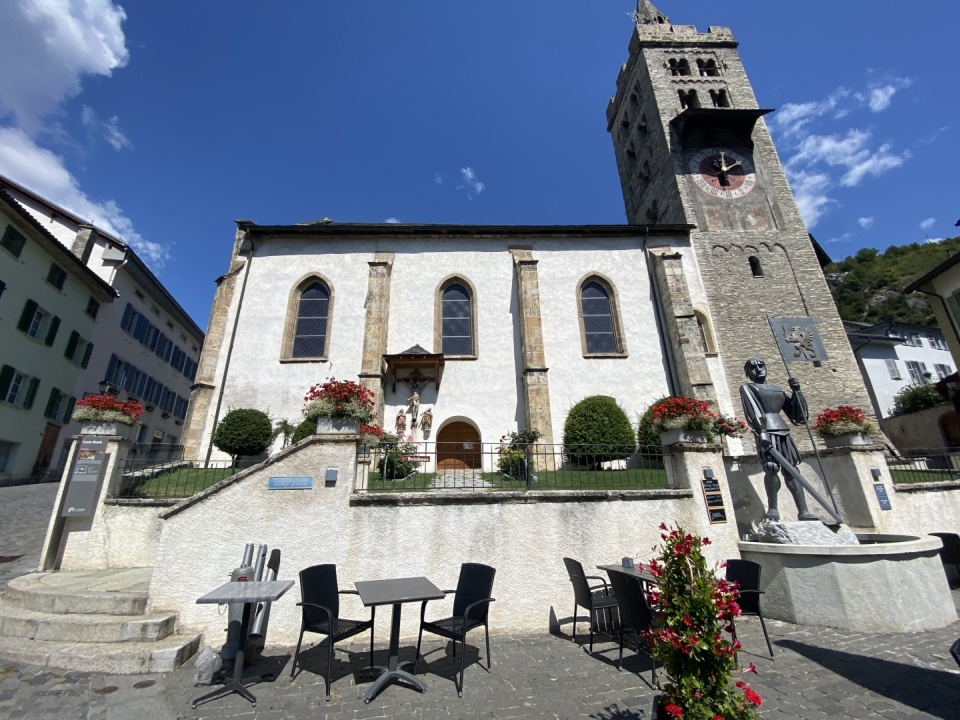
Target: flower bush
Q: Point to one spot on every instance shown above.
(841, 421)
(513, 451)
(392, 466)
(370, 434)
(106, 408)
(683, 413)
(695, 611)
(339, 399)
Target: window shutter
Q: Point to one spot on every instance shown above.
(68, 412)
(72, 344)
(52, 332)
(127, 317)
(31, 393)
(6, 376)
(51, 401)
(86, 355)
(26, 317)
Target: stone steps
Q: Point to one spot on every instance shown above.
(128, 658)
(90, 620)
(88, 627)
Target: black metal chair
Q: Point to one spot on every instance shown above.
(746, 574)
(471, 604)
(321, 613)
(950, 552)
(635, 613)
(590, 598)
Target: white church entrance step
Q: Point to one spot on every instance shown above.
(128, 658)
(92, 621)
(17, 621)
(108, 592)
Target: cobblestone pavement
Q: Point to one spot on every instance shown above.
(24, 513)
(817, 673)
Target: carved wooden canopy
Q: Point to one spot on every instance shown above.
(416, 366)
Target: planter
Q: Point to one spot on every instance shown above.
(847, 439)
(338, 426)
(105, 428)
(672, 437)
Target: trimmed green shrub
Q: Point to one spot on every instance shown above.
(646, 435)
(597, 430)
(917, 397)
(242, 432)
(304, 430)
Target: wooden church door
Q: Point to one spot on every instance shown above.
(458, 447)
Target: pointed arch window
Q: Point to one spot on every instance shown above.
(307, 335)
(599, 319)
(457, 315)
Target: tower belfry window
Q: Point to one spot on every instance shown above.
(720, 98)
(755, 266)
(679, 67)
(688, 99)
(708, 67)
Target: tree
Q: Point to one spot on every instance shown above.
(597, 430)
(243, 432)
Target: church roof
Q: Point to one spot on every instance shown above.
(369, 230)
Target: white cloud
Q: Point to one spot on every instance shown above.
(865, 222)
(810, 192)
(818, 163)
(878, 97)
(928, 223)
(108, 129)
(43, 172)
(48, 46)
(470, 182)
(792, 118)
(437, 179)
(391, 220)
(934, 240)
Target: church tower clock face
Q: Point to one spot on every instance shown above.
(723, 173)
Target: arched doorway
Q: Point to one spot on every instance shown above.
(458, 447)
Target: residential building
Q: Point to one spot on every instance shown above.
(49, 305)
(893, 356)
(145, 346)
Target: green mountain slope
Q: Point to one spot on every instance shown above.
(867, 286)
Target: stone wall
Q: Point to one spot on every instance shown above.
(524, 536)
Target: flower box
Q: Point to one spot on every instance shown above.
(847, 440)
(673, 437)
(106, 428)
(338, 426)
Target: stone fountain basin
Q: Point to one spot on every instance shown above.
(888, 583)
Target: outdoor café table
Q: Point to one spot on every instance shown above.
(644, 575)
(395, 592)
(248, 593)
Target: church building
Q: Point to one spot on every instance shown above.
(501, 328)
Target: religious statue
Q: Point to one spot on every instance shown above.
(426, 422)
(401, 422)
(762, 405)
(413, 402)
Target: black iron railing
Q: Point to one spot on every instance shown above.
(924, 466)
(171, 478)
(475, 466)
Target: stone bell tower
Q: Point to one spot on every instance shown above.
(692, 147)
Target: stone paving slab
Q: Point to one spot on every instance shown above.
(817, 673)
(24, 513)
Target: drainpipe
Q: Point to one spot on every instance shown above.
(233, 337)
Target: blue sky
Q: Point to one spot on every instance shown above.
(165, 121)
